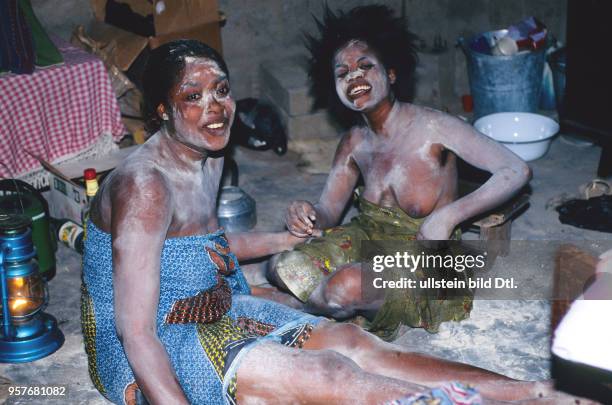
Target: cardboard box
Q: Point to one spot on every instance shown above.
(208, 33)
(66, 195)
(184, 15)
(126, 47)
(189, 19)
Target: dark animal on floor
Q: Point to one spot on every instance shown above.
(594, 213)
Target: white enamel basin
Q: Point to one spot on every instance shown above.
(527, 134)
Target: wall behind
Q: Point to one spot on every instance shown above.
(59, 17)
(269, 29)
(259, 30)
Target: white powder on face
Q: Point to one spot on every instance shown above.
(205, 62)
(377, 77)
(197, 72)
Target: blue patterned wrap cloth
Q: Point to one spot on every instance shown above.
(205, 357)
(452, 393)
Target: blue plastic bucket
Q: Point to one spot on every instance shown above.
(503, 83)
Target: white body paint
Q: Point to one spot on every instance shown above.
(361, 79)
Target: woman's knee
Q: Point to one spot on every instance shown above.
(343, 288)
(331, 367)
(326, 370)
(346, 338)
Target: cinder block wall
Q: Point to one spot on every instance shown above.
(259, 30)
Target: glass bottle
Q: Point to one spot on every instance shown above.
(91, 188)
(69, 233)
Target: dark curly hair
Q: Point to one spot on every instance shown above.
(163, 70)
(386, 35)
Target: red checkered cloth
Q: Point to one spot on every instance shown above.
(59, 113)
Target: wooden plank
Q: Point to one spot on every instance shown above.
(498, 238)
(504, 212)
(573, 269)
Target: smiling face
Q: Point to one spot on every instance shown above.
(202, 107)
(361, 79)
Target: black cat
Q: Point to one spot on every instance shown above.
(258, 126)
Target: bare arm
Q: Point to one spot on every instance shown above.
(302, 217)
(251, 245)
(140, 218)
(509, 174)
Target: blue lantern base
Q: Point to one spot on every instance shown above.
(34, 340)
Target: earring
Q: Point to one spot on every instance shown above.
(165, 117)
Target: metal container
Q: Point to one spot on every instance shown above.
(503, 83)
(557, 61)
(236, 209)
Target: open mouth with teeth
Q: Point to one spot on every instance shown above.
(356, 91)
(216, 127)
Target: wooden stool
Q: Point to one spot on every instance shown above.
(496, 225)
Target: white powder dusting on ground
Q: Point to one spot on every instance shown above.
(508, 337)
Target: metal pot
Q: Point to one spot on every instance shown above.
(236, 209)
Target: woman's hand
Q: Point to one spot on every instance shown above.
(300, 219)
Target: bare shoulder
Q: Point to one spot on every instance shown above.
(436, 118)
(135, 184)
(138, 177)
(349, 143)
(352, 138)
(443, 127)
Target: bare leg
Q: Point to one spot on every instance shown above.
(274, 294)
(255, 272)
(274, 374)
(378, 357)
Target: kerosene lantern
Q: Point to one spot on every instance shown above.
(26, 333)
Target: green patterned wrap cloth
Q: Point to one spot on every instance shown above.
(304, 268)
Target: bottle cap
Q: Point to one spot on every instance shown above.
(89, 174)
(91, 182)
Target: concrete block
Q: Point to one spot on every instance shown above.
(316, 124)
(436, 80)
(286, 82)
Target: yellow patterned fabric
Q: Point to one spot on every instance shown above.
(217, 337)
(222, 340)
(88, 323)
